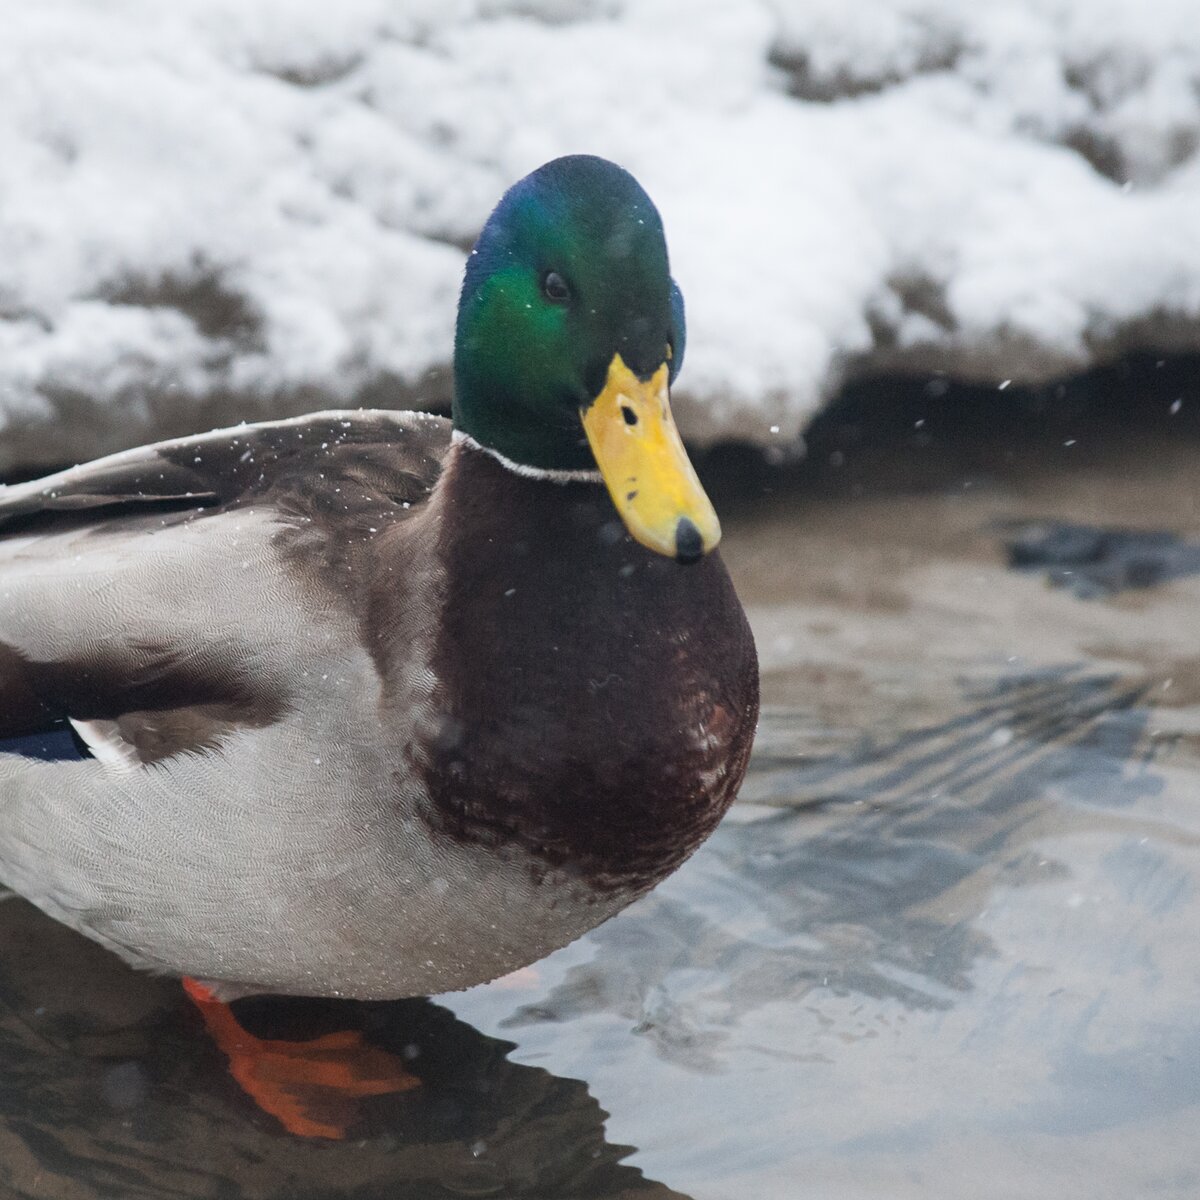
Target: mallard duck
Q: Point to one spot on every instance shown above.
(375, 703)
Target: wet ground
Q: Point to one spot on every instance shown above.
(944, 947)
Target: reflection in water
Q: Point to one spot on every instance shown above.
(1013, 734)
(111, 1088)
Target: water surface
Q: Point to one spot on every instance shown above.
(944, 947)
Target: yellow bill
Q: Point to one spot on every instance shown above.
(647, 471)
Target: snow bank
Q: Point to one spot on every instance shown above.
(216, 209)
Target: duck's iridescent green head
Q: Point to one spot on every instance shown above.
(569, 330)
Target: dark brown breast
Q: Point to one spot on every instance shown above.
(597, 701)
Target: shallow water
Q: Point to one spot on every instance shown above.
(944, 947)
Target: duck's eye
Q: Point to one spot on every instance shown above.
(555, 288)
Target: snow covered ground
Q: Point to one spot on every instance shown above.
(217, 209)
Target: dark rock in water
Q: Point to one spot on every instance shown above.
(1056, 545)
(1097, 562)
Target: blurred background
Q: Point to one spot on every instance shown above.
(222, 209)
(942, 266)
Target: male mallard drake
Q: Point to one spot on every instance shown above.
(380, 704)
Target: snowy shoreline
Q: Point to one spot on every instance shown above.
(222, 210)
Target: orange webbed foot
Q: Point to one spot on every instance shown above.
(310, 1087)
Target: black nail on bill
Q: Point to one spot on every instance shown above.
(689, 547)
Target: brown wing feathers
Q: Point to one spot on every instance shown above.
(330, 478)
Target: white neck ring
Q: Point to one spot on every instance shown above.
(583, 476)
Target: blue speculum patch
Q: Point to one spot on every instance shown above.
(60, 743)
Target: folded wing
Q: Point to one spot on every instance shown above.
(140, 595)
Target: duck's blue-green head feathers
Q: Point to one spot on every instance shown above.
(568, 301)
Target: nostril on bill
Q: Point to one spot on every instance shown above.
(689, 547)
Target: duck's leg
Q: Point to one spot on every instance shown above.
(310, 1087)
